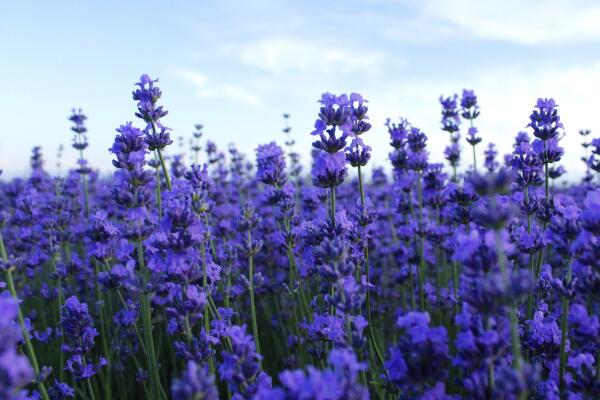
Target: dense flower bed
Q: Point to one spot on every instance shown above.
(248, 278)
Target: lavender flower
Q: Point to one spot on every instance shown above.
(79, 334)
(270, 165)
(545, 120)
(78, 119)
(337, 382)
(241, 367)
(330, 170)
(411, 366)
(196, 383)
(15, 370)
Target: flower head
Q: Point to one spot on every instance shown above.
(329, 170)
(450, 114)
(468, 104)
(357, 154)
(78, 119)
(147, 95)
(270, 164)
(544, 120)
(195, 383)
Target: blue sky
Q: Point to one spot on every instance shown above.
(236, 66)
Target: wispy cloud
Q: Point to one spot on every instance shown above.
(514, 21)
(506, 95)
(203, 88)
(281, 55)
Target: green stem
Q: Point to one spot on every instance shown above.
(367, 273)
(332, 203)
(206, 306)
(158, 194)
(28, 345)
(88, 382)
(86, 196)
(563, 335)
(530, 296)
(360, 187)
(135, 328)
(251, 290)
(162, 161)
(213, 250)
(155, 386)
(490, 366)
(164, 168)
(332, 215)
(103, 332)
(546, 176)
(61, 301)
(514, 328)
(474, 152)
(598, 365)
(421, 274)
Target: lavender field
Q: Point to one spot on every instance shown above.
(197, 272)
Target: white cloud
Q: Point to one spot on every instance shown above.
(237, 93)
(204, 88)
(507, 96)
(197, 79)
(515, 21)
(305, 56)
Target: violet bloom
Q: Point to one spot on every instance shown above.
(294, 156)
(78, 119)
(147, 96)
(357, 154)
(100, 234)
(452, 154)
(241, 366)
(270, 165)
(544, 120)
(177, 166)
(195, 383)
(590, 218)
(542, 337)
(337, 382)
(330, 170)
(61, 391)
(418, 360)
(468, 104)
(15, 370)
(398, 132)
(335, 118)
(483, 285)
(36, 160)
(584, 383)
(522, 137)
(548, 151)
(79, 335)
(492, 183)
(556, 172)
(593, 162)
(490, 158)
(472, 137)
(470, 111)
(527, 165)
(450, 116)
(359, 108)
(201, 183)
(129, 148)
(417, 158)
(133, 189)
(157, 136)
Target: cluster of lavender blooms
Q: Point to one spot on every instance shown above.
(243, 278)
